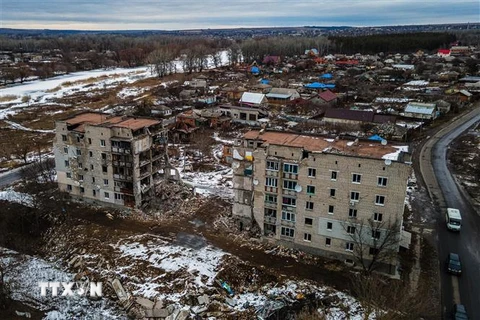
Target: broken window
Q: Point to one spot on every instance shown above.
(354, 196)
(64, 137)
(270, 212)
(352, 213)
(379, 200)
(312, 172)
(307, 237)
(252, 117)
(290, 168)
(356, 178)
(288, 216)
(270, 198)
(309, 205)
(272, 165)
(308, 221)
(289, 201)
(289, 184)
(382, 182)
(349, 246)
(271, 182)
(288, 232)
(333, 175)
(310, 189)
(350, 230)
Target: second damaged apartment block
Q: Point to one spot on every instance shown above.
(315, 194)
(110, 159)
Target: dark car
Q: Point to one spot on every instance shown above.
(459, 312)
(454, 266)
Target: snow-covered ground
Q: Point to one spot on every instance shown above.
(47, 91)
(194, 268)
(23, 274)
(17, 197)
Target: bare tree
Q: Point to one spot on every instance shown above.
(374, 242)
(217, 59)
(390, 299)
(161, 62)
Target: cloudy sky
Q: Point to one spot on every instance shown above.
(193, 14)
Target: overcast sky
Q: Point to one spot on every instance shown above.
(194, 14)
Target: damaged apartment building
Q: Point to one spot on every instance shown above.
(323, 196)
(107, 159)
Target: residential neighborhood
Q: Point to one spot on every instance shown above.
(239, 185)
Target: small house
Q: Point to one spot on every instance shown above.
(252, 99)
(424, 111)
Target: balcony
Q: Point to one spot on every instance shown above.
(122, 177)
(290, 176)
(290, 224)
(126, 191)
(270, 219)
(272, 205)
(271, 189)
(120, 150)
(289, 192)
(289, 209)
(270, 173)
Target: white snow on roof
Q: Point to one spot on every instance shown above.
(394, 155)
(251, 97)
(391, 100)
(416, 83)
(421, 108)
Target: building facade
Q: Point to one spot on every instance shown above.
(310, 193)
(110, 159)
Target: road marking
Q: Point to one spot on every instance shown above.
(456, 290)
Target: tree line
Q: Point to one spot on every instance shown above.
(393, 43)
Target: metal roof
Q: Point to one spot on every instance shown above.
(278, 95)
(421, 108)
(251, 97)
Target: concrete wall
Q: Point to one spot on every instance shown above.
(370, 169)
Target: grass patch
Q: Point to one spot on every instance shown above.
(57, 88)
(8, 97)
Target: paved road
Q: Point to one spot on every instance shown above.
(445, 192)
(10, 177)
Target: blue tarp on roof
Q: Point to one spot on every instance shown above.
(326, 76)
(376, 137)
(315, 85)
(318, 85)
(264, 81)
(255, 70)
